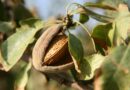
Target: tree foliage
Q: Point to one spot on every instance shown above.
(75, 55)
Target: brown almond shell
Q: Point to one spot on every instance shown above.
(56, 50)
(50, 50)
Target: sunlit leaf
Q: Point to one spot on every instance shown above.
(123, 21)
(13, 48)
(120, 26)
(21, 78)
(85, 68)
(93, 62)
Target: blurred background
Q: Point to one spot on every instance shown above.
(52, 8)
(49, 8)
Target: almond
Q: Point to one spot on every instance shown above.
(50, 53)
(56, 50)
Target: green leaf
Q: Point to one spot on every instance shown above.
(20, 74)
(6, 27)
(83, 10)
(99, 5)
(98, 17)
(123, 21)
(88, 66)
(40, 81)
(120, 26)
(83, 34)
(101, 33)
(75, 47)
(76, 50)
(114, 36)
(85, 68)
(116, 69)
(93, 62)
(83, 18)
(21, 78)
(13, 48)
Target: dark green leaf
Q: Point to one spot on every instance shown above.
(13, 48)
(83, 18)
(84, 36)
(101, 32)
(100, 49)
(3, 16)
(88, 48)
(21, 12)
(75, 47)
